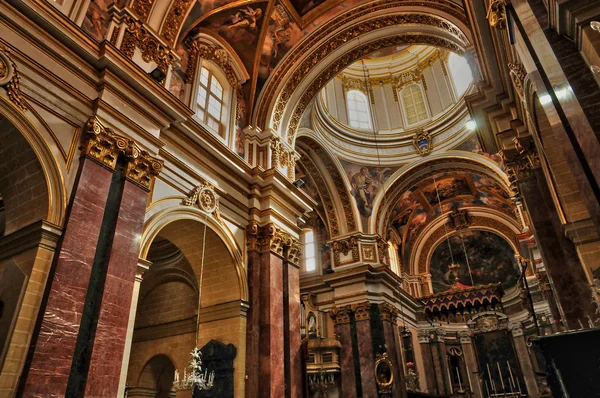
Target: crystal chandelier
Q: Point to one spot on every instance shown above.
(195, 377)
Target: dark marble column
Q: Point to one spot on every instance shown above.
(388, 318)
(440, 365)
(362, 317)
(427, 356)
(122, 259)
(52, 350)
(472, 368)
(524, 360)
(341, 320)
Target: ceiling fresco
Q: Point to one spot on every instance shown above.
(97, 19)
(420, 204)
(489, 256)
(473, 144)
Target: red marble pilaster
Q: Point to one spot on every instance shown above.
(430, 379)
(365, 349)
(271, 373)
(47, 373)
(295, 339)
(393, 349)
(341, 320)
(253, 322)
(109, 339)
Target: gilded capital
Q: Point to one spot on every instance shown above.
(10, 77)
(496, 14)
(340, 315)
(270, 238)
(142, 168)
(362, 311)
(388, 312)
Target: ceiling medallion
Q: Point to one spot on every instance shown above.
(422, 143)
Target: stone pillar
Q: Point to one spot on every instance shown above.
(434, 359)
(341, 320)
(121, 262)
(51, 353)
(142, 267)
(427, 356)
(524, 360)
(471, 363)
(362, 318)
(560, 256)
(267, 350)
(388, 318)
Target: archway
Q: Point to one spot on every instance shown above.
(184, 265)
(156, 379)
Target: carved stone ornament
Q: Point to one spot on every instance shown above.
(152, 49)
(521, 161)
(459, 219)
(362, 311)
(205, 197)
(340, 315)
(388, 312)
(10, 77)
(496, 14)
(344, 246)
(384, 376)
(271, 238)
(518, 75)
(422, 143)
(104, 147)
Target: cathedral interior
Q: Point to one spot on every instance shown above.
(300, 198)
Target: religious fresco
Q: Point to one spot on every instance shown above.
(240, 149)
(240, 27)
(387, 51)
(304, 6)
(282, 34)
(446, 188)
(96, 19)
(472, 144)
(490, 257)
(365, 182)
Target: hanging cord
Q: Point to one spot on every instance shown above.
(442, 213)
(201, 276)
(467, 258)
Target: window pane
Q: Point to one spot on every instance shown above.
(204, 75)
(460, 73)
(358, 109)
(310, 250)
(309, 237)
(200, 114)
(216, 88)
(310, 264)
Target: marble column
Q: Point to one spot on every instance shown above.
(267, 348)
(366, 359)
(52, 350)
(121, 265)
(296, 372)
(440, 364)
(427, 356)
(472, 368)
(565, 270)
(524, 360)
(341, 321)
(142, 267)
(388, 318)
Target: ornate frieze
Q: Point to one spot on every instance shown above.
(488, 322)
(142, 8)
(205, 196)
(362, 311)
(521, 161)
(136, 35)
(496, 14)
(10, 77)
(459, 219)
(104, 146)
(283, 156)
(340, 315)
(345, 246)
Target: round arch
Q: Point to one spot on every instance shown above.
(55, 182)
(318, 59)
(165, 217)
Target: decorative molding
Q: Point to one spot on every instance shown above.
(10, 78)
(362, 311)
(518, 75)
(340, 315)
(174, 20)
(388, 312)
(217, 54)
(136, 35)
(521, 161)
(516, 328)
(205, 196)
(465, 337)
(344, 246)
(496, 14)
(104, 147)
(142, 8)
(459, 219)
(487, 322)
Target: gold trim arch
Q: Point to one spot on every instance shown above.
(53, 173)
(164, 217)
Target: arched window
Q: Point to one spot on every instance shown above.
(414, 104)
(394, 260)
(358, 110)
(460, 73)
(310, 260)
(211, 101)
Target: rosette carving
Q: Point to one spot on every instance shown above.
(205, 196)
